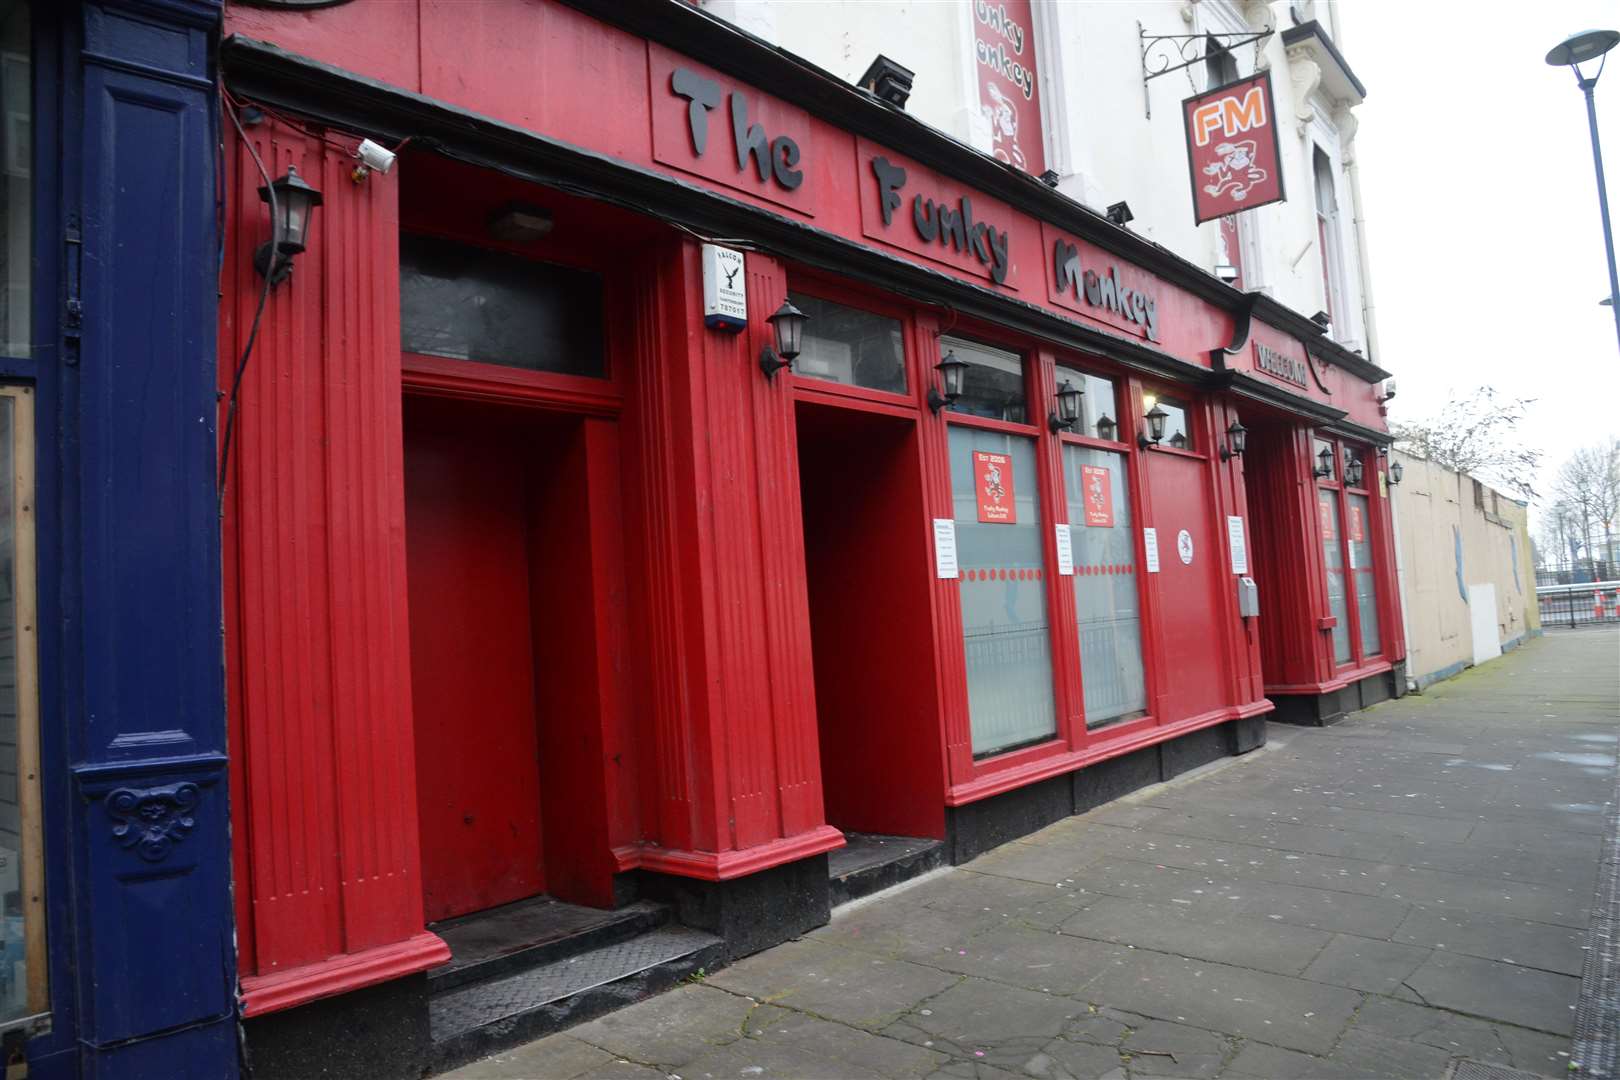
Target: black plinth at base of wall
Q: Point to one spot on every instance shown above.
(380, 1032)
(753, 912)
(974, 829)
(1319, 710)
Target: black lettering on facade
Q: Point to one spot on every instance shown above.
(951, 227)
(890, 179)
(1105, 291)
(774, 159)
(701, 95)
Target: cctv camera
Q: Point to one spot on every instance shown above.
(374, 157)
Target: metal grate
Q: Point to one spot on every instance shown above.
(1479, 1070)
(482, 1003)
(1597, 1013)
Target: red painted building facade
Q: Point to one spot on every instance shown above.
(537, 585)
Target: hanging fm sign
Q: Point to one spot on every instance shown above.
(1233, 155)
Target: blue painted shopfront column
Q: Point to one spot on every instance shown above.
(133, 720)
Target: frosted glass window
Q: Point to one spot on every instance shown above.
(1327, 502)
(1098, 403)
(470, 303)
(1004, 627)
(994, 382)
(1107, 602)
(1360, 535)
(850, 346)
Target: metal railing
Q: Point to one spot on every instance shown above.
(1584, 604)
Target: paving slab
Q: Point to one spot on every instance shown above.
(671, 1029)
(1378, 967)
(1542, 1000)
(1496, 937)
(1258, 943)
(856, 988)
(988, 1022)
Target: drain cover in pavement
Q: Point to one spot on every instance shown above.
(1479, 1070)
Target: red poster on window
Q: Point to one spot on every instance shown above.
(993, 479)
(1233, 154)
(1356, 533)
(1097, 490)
(1004, 58)
(1327, 518)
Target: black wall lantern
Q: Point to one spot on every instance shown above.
(1237, 440)
(1155, 427)
(1324, 461)
(293, 202)
(1068, 408)
(1395, 471)
(788, 323)
(1352, 471)
(1105, 428)
(953, 373)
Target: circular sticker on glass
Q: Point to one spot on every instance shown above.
(1184, 547)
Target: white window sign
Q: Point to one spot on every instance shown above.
(1065, 550)
(1240, 550)
(945, 548)
(1150, 540)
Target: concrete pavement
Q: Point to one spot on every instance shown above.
(1374, 899)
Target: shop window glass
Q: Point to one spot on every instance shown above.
(850, 346)
(16, 152)
(1359, 532)
(1331, 460)
(470, 303)
(1098, 403)
(22, 942)
(1177, 431)
(994, 382)
(1004, 627)
(1327, 502)
(1107, 602)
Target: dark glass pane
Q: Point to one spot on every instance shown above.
(468, 303)
(994, 383)
(850, 346)
(1099, 402)
(16, 193)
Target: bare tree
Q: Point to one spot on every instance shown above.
(1587, 490)
(1479, 435)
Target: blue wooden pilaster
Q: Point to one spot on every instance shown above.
(135, 682)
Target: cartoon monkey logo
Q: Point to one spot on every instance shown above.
(1235, 173)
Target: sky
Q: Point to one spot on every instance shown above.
(1483, 231)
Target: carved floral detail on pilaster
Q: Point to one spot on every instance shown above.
(153, 820)
(1306, 75)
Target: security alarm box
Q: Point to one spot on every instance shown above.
(725, 292)
(1248, 598)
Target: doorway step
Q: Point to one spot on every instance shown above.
(868, 863)
(537, 966)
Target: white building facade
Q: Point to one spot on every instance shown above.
(1101, 109)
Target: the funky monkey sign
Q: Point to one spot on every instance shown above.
(1233, 154)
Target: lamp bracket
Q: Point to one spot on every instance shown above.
(1056, 424)
(770, 362)
(937, 400)
(268, 263)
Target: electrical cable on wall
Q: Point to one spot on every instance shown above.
(258, 313)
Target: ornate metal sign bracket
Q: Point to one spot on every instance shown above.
(1165, 53)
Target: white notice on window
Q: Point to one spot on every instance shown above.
(945, 548)
(1065, 551)
(1240, 550)
(1150, 540)
(1352, 550)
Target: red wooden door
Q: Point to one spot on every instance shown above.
(1191, 567)
(472, 666)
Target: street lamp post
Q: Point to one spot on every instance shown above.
(1588, 45)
